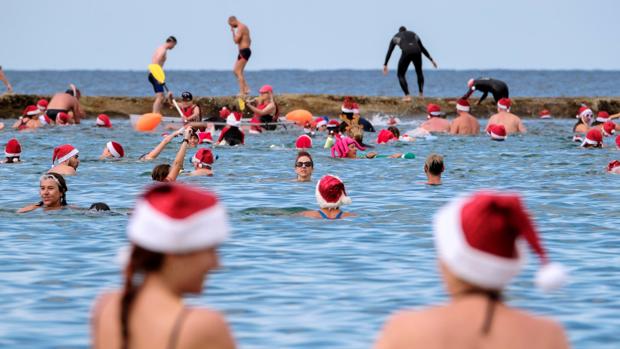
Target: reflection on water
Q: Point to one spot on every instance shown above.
(293, 282)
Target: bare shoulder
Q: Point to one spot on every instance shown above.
(208, 326)
(547, 330)
(309, 214)
(28, 208)
(405, 327)
(348, 214)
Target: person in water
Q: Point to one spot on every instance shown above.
(350, 119)
(66, 102)
(53, 190)
(65, 160)
(5, 81)
(241, 37)
(28, 120)
(464, 124)
(174, 233)
(593, 139)
(480, 241)
(103, 121)
(304, 166)
(433, 168)
(614, 167)
(511, 122)
(99, 207)
(330, 195)
(412, 50)
(435, 123)
(392, 134)
(159, 58)
(112, 150)
(582, 126)
(153, 154)
(497, 88)
(266, 112)
(12, 152)
(190, 110)
(203, 163)
(231, 134)
(346, 148)
(167, 173)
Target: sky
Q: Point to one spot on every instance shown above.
(312, 35)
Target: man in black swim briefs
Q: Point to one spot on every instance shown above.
(241, 37)
(412, 50)
(498, 88)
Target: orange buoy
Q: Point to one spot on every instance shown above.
(148, 122)
(299, 116)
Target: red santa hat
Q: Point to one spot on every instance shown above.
(584, 111)
(116, 149)
(349, 106)
(319, 122)
(333, 123)
(614, 167)
(45, 120)
(462, 105)
(470, 83)
(176, 218)
(224, 112)
(42, 104)
(331, 193)
(593, 137)
(504, 104)
(63, 117)
(203, 158)
(385, 136)
(545, 114)
(602, 116)
(481, 239)
(433, 109)
(13, 148)
(30, 110)
(103, 121)
(497, 132)
(266, 89)
(63, 153)
(231, 120)
(205, 137)
(618, 142)
(609, 128)
(303, 142)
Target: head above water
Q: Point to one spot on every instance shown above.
(304, 166)
(160, 172)
(53, 189)
(434, 165)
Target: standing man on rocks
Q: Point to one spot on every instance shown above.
(159, 57)
(241, 37)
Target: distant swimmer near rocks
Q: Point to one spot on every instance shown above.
(464, 123)
(497, 88)
(511, 122)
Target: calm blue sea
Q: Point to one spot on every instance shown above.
(439, 83)
(293, 282)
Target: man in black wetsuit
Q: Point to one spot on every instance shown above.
(412, 50)
(498, 88)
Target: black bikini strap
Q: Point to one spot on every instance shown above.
(493, 298)
(176, 329)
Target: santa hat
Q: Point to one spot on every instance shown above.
(203, 156)
(349, 107)
(224, 112)
(63, 153)
(333, 123)
(303, 142)
(593, 137)
(176, 218)
(330, 192)
(62, 116)
(497, 132)
(545, 114)
(504, 104)
(30, 110)
(231, 120)
(320, 121)
(614, 167)
(470, 83)
(266, 89)
(385, 136)
(45, 120)
(481, 239)
(103, 121)
(602, 116)
(433, 109)
(13, 148)
(584, 111)
(205, 137)
(42, 104)
(609, 128)
(618, 142)
(116, 149)
(462, 105)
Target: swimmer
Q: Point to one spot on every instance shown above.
(112, 150)
(65, 160)
(241, 37)
(392, 134)
(304, 166)
(203, 163)
(63, 119)
(303, 142)
(159, 58)
(66, 102)
(174, 233)
(53, 190)
(511, 122)
(346, 148)
(29, 119)
(13, 152)
(350, 118)
(167, 173)
(153, 154)
(497, 88)
(435, 123)
(601, 118)
(231, 134)
(190, 110)
(412, 50)
(593, 139)
(581, 127)
(497, 132)
(480, 242)
(266, 111)
(433, 168)
(42, 106)
(464, 124)
(103, 121)
(330, 195)
(333, 131)
(608, 128)
(99, 207)
(545, 114)
(393, 121)
(320, 124)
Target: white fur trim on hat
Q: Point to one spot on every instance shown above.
(497, 137)
(503, 107)
(343, 200)
(157, 232)
(467, 263)
(100, 122)
(462, 107)
(589, 141)
(69, 155)
(112, 150)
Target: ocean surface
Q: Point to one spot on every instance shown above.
(294, 282)
(439, 83)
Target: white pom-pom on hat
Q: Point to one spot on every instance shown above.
(551, 276)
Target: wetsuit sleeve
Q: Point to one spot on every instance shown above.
(390, 50)
(484, 96)
(424, 51)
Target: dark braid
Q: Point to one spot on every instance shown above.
(141, 262)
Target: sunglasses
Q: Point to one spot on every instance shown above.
(304, 164)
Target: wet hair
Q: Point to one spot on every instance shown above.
(402, 29)
(141, 262)
(302, 154)
(70, 92)
(160, 172)
(99, 206)
(395, 131)
(12, 159)
(62, 186)
(434, 164)
(171, 39)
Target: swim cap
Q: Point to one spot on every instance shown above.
(103, 121)
(497, 132)
(303, 142)
(504, 104)
(609, 128)
(187, 96)
(13, 148)
(330, 192)
(266, 89)
(462, 105)
(63, 153)
(171, 39)
(116, 149)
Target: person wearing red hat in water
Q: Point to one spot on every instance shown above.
(65, 160)
(593, 139)
(103, 121)
(497, 132)
(392, 134)
(53, 191)
(303, 142)
(511, 122)
(614, 167)
(153, 154)
(63, 119)
(464, 124)
(330, 195)
(618, 142)
(481, 243)
(112, 150)
(608, 128)
(167, 173)
(66, 102)
(12, 152)
(497, 88)
(203, 163)
(29, 119)
(581, 127)
(265, 108)
(231, 135)
(545, 114)
(435, 123)
(174, 233)
(304, 166)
